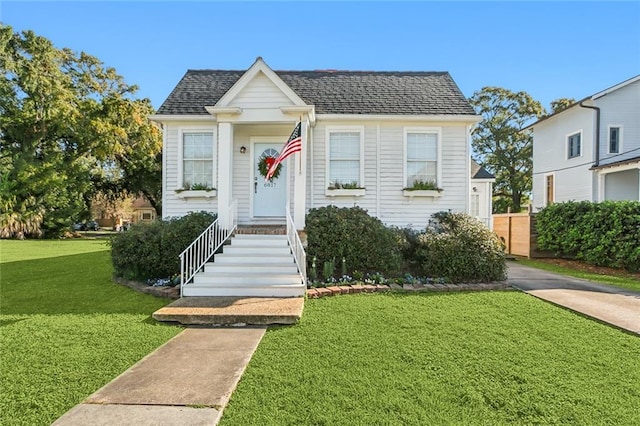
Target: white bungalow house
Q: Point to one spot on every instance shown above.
(590, 151)
(367, 137)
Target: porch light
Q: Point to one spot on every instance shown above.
(243, 149)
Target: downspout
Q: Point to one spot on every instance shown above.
(597, 156)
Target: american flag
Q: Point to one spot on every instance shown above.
(293, 145)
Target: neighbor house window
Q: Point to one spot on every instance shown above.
(474, 205)
(549, 190)
(574, 146)
(197, 159)
(146, 216)
(422, 155)
(614, 140)
(345, 157)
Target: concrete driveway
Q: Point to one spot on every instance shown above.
(616, 306)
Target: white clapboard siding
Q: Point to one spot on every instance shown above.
(260, 92)
(550, 155)
(620, 108)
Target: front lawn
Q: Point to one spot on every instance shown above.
(66, 329)
(465, 358)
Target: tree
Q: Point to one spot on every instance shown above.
(69, 128)
(501, 145)
(561, 103)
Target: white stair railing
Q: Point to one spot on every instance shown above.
(194, 257)
(297, 249)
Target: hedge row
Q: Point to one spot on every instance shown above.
(152, 250)
(453, 246)
(603, 234)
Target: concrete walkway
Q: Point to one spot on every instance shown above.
(616, 306)
(187, 381)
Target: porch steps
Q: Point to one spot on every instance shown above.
(252, 265)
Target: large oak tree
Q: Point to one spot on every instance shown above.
(502, 147)
(70, 127)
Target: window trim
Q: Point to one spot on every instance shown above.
(620, 133)
(546, 192)
(428, 130)
(196, 129)
(343, 129)
(568, 144)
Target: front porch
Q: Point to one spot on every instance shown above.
(619, 181)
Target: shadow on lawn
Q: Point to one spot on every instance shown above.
(74, 284)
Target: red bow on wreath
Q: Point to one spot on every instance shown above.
(269, 161)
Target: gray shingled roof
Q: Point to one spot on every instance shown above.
(479, 172)
(333, 92)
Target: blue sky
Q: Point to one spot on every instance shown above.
(548, 49)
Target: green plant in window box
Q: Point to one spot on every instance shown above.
(195, 187)
(339, 185)
(420, 185)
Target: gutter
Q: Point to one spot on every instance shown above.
(581, 103)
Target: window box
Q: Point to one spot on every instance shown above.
(359, 192)
(212, 193)
(421, 193)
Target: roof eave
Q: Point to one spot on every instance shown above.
(458, 118)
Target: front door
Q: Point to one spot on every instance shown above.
(269, 197)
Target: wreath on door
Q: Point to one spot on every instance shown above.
(265, 163)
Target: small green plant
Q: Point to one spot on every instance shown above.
(358, 276)
(195, 187)
(349, 185)
(328, 269)
(420, 185)
(313, 271)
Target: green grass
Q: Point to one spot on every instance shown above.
(622, 280)
(65, 329)
(460, 359)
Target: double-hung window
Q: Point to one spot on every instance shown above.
(614, 139)
(422, 157)
(344, 153)
(197, 159)
(574, 147)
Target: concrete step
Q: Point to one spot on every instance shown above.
(232, 310)
(260, 240)
(284, 290)
(241, 268)
(257, 250)
(216, 279)
(253, 259)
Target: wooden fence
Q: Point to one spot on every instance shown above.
(518, 232)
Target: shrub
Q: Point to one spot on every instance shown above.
(151, 250)
(604, 234)
(363, 241)
(459, 248)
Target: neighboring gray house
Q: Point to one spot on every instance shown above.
(590, 150)
(366, 138)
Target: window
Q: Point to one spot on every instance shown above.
(422, 157)
(573, 142)
(474, 208)
(345, 162)
(549, 189)
(614, 140)
(197, 159)
(146, 216)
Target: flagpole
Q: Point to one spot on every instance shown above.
(302, 147)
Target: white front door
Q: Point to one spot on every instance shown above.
(269, 197)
